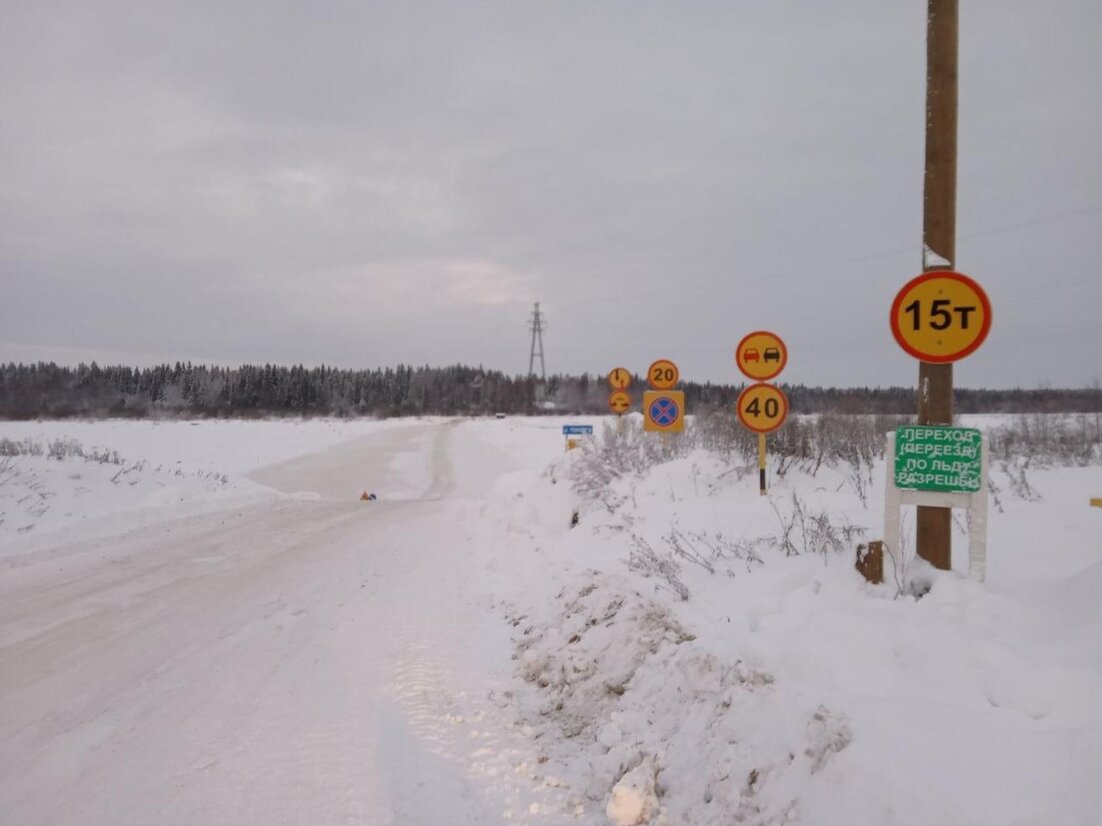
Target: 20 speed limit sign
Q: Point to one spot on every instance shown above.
(762, 407)
(941, 316)
(663, 375)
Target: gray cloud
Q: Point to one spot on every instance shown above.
(363, 184)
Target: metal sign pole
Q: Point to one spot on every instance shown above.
(761, 463)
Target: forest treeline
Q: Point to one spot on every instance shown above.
(47, 390)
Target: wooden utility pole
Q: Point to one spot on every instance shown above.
(939, 237)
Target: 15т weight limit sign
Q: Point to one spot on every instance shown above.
(941, 317)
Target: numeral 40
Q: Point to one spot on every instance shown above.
(772, 408)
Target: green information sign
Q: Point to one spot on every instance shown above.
(945, 459)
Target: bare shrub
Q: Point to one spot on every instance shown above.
(1040, 441)
(806, 531)
(1048, 440)
(104, 456)
(646, 560)
(59, 449)
(601, 461)
(805, 443)
(1018, 480)
(708, 550)
(718, 430)
(8, 470)
(687, 549)
(23, 447)
(856, 442)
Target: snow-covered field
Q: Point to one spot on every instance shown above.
(201, 623)
(147, 471)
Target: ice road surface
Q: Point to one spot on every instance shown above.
(214, 629)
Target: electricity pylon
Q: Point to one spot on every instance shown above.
(537, 324)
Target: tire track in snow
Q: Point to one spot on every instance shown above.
(314, 662)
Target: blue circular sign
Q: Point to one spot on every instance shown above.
(664, 411)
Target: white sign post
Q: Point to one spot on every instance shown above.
(975, 503)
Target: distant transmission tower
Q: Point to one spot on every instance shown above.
(536, 324)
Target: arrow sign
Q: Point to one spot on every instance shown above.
(619, 401)
(619, 378)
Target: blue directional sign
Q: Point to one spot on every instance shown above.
(577, 430)
(664, 411)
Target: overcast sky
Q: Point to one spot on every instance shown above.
(363, 184)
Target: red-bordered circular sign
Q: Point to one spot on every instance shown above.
(762, 407)
(941, 316)
(619, 378)
(663, 375)
(761, 355)
(619, 401)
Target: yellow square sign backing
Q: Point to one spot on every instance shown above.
(664, 411)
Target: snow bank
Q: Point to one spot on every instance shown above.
(695, 653)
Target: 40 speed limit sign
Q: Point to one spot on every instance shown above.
(762, 407)
(941, 316)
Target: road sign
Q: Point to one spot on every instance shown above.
(762, 407)
(961, 455)
(577, 430)
(619, 401)
(761, 355)
(663, 375)
(946, 459)
(941, 316)
(664, 411)
(619, 378)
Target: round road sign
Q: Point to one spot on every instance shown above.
(619, 401)
(619, 378)
(941, 316)
(762, 407)
(761, 355)
(664, 411)
(663, 375)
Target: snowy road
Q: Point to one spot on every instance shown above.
(183, 644)
(306, 661)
